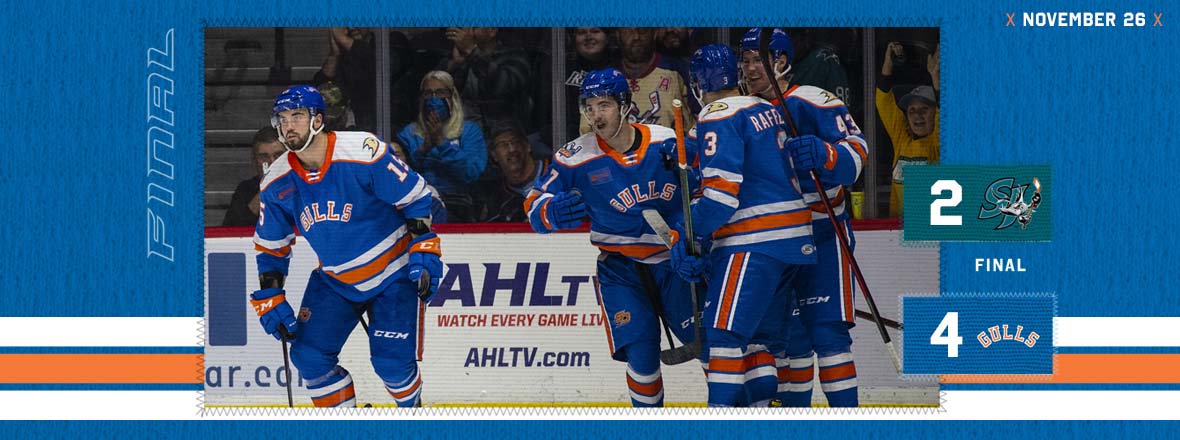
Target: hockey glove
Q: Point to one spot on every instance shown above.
(565, 210)
(691, 268)
(425, 264)
(811, 153)
(274, 312)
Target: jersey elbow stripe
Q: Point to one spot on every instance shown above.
(720, 197)
(721, 184)
(635, 251)
(763, 237)
(380, 248)
(717, 172)
(415, 194)
(274, 244)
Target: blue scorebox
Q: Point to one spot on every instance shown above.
(978, 334)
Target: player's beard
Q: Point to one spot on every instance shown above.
(638, 54)
(294, 140)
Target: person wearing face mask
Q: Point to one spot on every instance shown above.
(448, 151)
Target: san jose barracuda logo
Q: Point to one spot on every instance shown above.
(1005, 199)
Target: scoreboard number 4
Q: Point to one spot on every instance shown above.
(950, 326)
(936, 216)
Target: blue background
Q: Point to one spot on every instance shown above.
(1097, 104)
(976, 313)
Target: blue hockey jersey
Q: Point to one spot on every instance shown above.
(822, 114)
(748, 200)
(352, 212)
(616, 188)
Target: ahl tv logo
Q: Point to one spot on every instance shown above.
(1010, 202)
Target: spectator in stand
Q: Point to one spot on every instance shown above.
(592, 52)
(494, 82)
(518, 171)
(655, 80)
(339, 116)
(675, 42)
(912, 121)
(448, 151)
(243, 206)
(438, 209)
(351, 64)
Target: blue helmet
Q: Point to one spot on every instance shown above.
(714, 67)
(606, 82)
(300, 97)
(780, 43)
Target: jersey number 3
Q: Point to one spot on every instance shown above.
(710, 143)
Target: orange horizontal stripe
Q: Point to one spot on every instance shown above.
(340, 396)
(760, 358)
(528, 202)
(408, 392)
(721, 184)
(839, 372)
(373, 267)
(727, 365)
(784, 374)
(801, 375)
(1091, 368)
(800, 217)
(102, 368)
(649, 389)
(639, 251)
(281, 252)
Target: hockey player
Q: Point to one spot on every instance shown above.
(367, 216)
(829, 142)
(611, 175)
(759, 225)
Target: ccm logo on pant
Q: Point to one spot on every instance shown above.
(394, 335)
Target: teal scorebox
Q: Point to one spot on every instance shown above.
(978, 203)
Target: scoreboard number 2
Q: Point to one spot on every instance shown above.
(936, 216)
(952, 340)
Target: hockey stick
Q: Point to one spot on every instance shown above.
(888, 322)
(653, 295)
(689, 351)
(764, 52)
(283, 337)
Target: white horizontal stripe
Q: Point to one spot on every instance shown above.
(763, 371)
(725, 352)
(720, 197)
(717, 172)
(794, 387)
(273, 244)
(1116, 332)
(648, 400)
(959, 405)
(413, 381)
(643, 378)
(831, 387)
(370, 254)
(836, 359)
(759, 237)
(599, 237)
(341, 384)
(769, 208)
(782, 362)
(660, 257)
(813, 197)
(738, 379)
(393, 267)
(415, 194)
(817, 216)
(801, 363)
(102, 331)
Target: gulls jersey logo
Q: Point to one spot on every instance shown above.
(1011, 202)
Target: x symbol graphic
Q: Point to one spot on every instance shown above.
(1010, 23)
(1157, 19)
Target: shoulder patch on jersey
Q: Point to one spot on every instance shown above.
(816, 96)
(357, 146)
(279, 168)
(726, 107)
(716, 106)
(578, 151)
